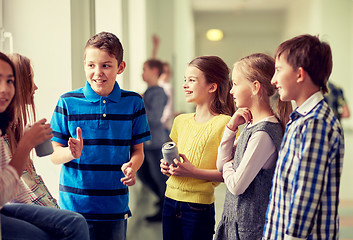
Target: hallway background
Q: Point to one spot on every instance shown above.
(53, 33)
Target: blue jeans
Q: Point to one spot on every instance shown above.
(187, 221)
(24, 221)
(107, 230)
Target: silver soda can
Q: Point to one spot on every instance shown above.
(44, 149)
(170, 152)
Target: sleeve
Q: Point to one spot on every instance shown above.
(140, 130)
(259, 151)
(310, 179)
(59, 123)
(9, 184)
(173, 132)
(226, 148)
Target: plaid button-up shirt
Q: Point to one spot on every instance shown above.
(305, 192)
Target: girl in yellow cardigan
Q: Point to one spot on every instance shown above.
(188, 211)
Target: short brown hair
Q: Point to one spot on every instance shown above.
(108, 42)
(155, 63)
(313, 55)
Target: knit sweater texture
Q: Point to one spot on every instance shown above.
(199, 142)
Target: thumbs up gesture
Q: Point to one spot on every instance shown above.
(76, 145)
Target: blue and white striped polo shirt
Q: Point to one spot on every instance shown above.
(110, 125)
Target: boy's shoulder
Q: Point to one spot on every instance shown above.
(77, 93)
(126, 93)
(323, 114)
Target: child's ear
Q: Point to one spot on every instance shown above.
(213, 88)
(256, 88)
(121, 67)
(301, 74)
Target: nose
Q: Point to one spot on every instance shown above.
(273, 80)
(185, 85)
(231, 91)
(98, 71)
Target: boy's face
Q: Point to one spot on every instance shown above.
(101, 70)
(148, 74)
(285, 79)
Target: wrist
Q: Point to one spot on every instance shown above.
(232, 127)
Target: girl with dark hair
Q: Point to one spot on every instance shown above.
(34, 190)
(24, 221)
(188, 211)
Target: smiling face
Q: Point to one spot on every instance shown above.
(241, 89)
(197, 90)
(285, 80)
(101, 70)
(7, 85)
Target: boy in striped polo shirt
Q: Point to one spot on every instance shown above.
(99, 132)
(305, 191)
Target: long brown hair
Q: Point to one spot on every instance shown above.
(217, 71)
(25, 111)
(261, 67)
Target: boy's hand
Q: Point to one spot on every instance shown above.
(76, 145)
(130, 175)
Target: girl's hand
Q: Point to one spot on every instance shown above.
(241, 116)
(130, 175)
(164, 167)
(184, 169)
(76, 145)
(37, 134)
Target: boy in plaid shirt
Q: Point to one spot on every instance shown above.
(305, 192)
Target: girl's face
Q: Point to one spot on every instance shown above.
(241, 89)
(7, 85)
(197, 90)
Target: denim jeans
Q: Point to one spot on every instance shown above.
(187, 221)
(24, 221)
(107, 230)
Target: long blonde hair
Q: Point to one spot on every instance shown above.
(261, 67)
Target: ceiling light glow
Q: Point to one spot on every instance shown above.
(214, 35)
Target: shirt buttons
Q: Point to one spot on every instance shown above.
(104, 101)
(104, 115)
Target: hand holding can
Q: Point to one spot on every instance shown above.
(170, 152)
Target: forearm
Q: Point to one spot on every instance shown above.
(207, 174)
(8, 184)
(21, 157)
(137, 160)
(226, 148)
(61, 155)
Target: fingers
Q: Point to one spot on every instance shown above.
(78, 133)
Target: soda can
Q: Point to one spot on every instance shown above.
(170, 152)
